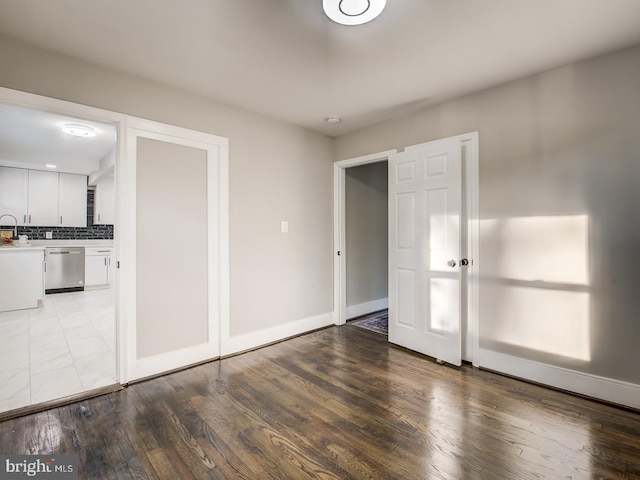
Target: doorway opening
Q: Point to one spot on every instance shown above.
(469, 238)
(60, 188)
(366, 245)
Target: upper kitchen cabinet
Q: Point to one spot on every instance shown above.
(14, 188)
(43, 199)
(72, 200)
(104, 212)
(53, 199)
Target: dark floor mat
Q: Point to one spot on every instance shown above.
(378, 323)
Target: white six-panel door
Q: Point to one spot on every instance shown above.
(425, 185)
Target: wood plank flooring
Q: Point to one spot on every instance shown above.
(339, 403)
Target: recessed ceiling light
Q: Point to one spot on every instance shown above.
(50, 165)
(353, 12)
(79, 130)
(333, 120)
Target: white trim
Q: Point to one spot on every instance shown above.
(365, 159)
(366, 308)
(224, 285)
(61, 107)
(339, 229)
(218, 247)
(157, 364)
(472, 187)
(610, 390)
(266, 336)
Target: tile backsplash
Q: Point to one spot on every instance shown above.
(98, 232)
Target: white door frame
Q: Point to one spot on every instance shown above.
(218, 246)
(340, 227)
(62, 107)
(471, 202)
(123, 253)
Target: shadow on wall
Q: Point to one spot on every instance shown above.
(536, 290)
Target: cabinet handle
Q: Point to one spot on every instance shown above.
(25, 219)
(98, 217)
(105, 261)
(29, 218)
(60, 219)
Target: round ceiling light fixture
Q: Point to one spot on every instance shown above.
(333, 120)
(353, 12)
(79, 130)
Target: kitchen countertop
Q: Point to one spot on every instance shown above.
(42, 244)
(19, 248)
(71, 243)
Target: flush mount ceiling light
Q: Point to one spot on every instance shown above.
(79, 130)
(353, 12)
(50, 165)
(333, 120)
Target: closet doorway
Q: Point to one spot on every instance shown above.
(366, 244)
(467, 241)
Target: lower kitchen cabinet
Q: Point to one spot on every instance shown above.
(97, 267)
(23, 275)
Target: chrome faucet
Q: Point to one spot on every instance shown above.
(15, 220)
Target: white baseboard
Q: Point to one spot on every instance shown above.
(365, 308)
(257, 339)
(157, 364)
(603, 388)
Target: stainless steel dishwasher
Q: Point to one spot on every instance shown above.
(64, 268)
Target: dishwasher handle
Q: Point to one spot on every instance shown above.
(64, 252)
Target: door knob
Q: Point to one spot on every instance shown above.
(464, 262)
(451, 263)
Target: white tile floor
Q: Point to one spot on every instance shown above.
(63, 347)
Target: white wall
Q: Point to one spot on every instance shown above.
(277, 172)
(559, 196)
(366, 215)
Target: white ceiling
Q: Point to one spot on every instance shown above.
(284, 58)
(32, 139)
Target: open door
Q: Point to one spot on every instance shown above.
(425, 200)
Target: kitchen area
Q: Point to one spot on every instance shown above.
(57, 257)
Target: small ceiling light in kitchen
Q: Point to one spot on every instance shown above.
(50, 165)
(79, 130)
(353, 12)
(333, 120)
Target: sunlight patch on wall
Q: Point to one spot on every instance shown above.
(552, 321)
(535, 275)
(550, 249)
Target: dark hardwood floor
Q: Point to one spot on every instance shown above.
(339, 403)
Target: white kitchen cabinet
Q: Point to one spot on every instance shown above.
(104, 211)
(72, 200)
(43, 199)
(23, 274)
(97, 266)
(14, 188)
(55, 199)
